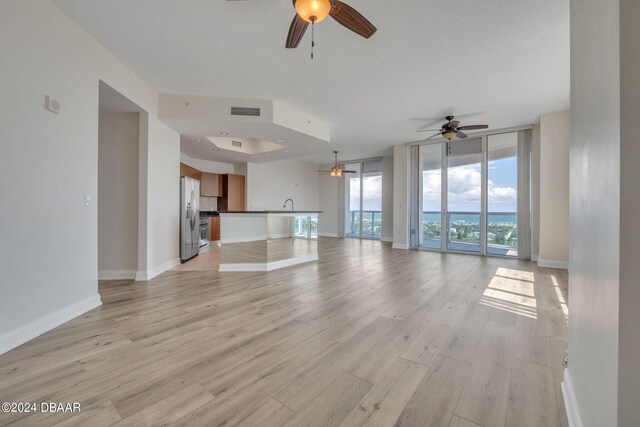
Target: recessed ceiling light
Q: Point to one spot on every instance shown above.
(253, 157)
(281, 140)
(266, 154)
(215, 148)
(197, 140)
(224, 133)
(286, 151)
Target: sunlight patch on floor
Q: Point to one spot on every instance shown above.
(563, 302)
(513, 291)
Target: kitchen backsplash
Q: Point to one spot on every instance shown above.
(208, 203)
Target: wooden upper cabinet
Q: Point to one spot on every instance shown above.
(232, 193)
(211, 185)
(186, 170)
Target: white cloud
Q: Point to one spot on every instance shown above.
(464, 188)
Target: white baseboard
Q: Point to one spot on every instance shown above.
(24, 333)
(328, 235)
(534, 258)
(570, 403)
(243, 239)
(387, 239)
(551, 263)
(143, 276)
(267, 266)
(116, 274)
(400, 246)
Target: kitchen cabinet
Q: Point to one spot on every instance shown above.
(211, 185)
(232, 193)
(214, 228)
(186, 170)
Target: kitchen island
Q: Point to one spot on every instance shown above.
(267, 240)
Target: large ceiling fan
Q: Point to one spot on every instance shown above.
(336, 171)
(451, 129)
(312, 11)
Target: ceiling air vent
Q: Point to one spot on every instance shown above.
(245, 111)
(236, 144)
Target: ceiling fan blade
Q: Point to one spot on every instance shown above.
(453, 124)
(324, 171)
(434, 135)
(461, 135)
(296, 31)
(428, 130)
(471, 127)
(349, 171)
(352, 19)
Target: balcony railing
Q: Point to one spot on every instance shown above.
(464, 229)
(371, 224)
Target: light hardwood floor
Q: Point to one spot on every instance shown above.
(367, 335)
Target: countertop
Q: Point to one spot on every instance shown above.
(273, 212)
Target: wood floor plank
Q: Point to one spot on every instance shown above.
(532, 398)
(387, 399)
(310, 383)
(269, 413)
(485, 395)
(171, 408)
(103, 415)
(333, 404)
(435, 399)
(463, 342)
(461, 422)
(433, 337)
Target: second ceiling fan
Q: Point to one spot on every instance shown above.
(451, 129)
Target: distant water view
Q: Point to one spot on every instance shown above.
(473, 218)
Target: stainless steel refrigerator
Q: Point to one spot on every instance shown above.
(189, 218)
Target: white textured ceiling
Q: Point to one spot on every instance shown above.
(501, 62)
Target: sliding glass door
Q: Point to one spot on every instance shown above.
(465, 194)
(364, 201)
(502, 197)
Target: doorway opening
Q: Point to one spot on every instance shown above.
(118, 189)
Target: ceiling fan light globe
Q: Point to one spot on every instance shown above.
(336, 172)
(449, 134)
(313, 10)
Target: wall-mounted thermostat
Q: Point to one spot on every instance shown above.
(51, 104)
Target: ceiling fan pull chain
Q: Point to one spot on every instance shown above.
(313, 43)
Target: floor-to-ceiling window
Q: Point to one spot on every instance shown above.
(502, 194)
(364, 200)
(465, 194)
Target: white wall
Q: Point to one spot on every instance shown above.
(387, 199)
(163, 199)
(270, 184)
(629, 322)
(400, 196)
(595, 212)
(118, 193)
(54, 157)
(553, 237)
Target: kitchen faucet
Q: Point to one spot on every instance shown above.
(285, 204)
